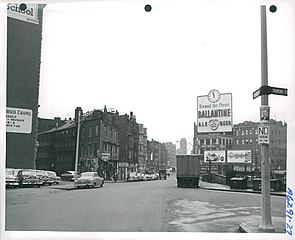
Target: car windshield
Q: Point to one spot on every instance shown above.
(41, 173)
(52, 174)
(28, 172)
(88, 174)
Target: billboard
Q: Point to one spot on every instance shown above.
(239, 156)
(214, 112)
(214, 156)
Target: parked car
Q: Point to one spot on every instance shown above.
(11, 179)
(55, 179)
(43, 175)
(133, 176)
(28, 177)
(89, 179)
(68, 176)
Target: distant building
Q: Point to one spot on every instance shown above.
(183, 147)
(171, 154)
(246, 137)
(56, 148)
(24, 36)
(212, 141)
(98, 145)
(157, 156)
(128, 142)
(142, 148)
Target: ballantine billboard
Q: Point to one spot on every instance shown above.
(30, 14)
(214, 112)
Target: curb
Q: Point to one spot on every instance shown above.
(243, 228)
(233, 190)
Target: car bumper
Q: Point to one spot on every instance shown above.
(33, 183)
(12, 183)
(83, 184)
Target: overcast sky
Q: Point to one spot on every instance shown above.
(157, 63)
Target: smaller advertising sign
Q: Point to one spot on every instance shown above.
(18, 120)
(214, 156)
(239, 156)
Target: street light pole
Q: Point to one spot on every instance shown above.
(77, 145)
(266, 224)
(79, 122)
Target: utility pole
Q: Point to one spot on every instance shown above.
(263, 129)
(77, 145)
(266, 223)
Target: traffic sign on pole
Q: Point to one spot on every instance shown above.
(263, 134)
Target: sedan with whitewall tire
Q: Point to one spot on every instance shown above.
(89, 179)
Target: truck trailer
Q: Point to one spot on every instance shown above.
(188, 170)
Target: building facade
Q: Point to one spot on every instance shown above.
(246, 137)
(211, 141)
(142, 148)
(157, 156)
(171, 154)
(129, 144)
(24, 36)
(98, 145)
(57, 147)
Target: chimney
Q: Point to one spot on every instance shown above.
(77, 111)
(131, 115)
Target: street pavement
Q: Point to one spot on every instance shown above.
(153, 206)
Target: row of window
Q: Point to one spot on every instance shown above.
(254, 130)
(213, 141)
(92, 149)
(250, 141)
(248, 131)
(246, 141)
(65, 144)
(71, 131)
(108, 132)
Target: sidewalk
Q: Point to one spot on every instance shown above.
(221, 187)
(253, 226)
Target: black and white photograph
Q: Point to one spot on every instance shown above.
(160, 119)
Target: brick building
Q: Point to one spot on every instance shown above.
(171, 154)
(157, 156)
(108, 143)
(142, 148)
(212, 141)
(56, 148)
(128, 142)
(24, 35)
(246, 138)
